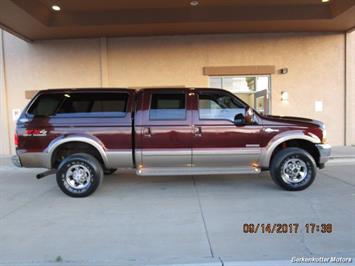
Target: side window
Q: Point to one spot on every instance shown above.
(218, 105)
(45, 105)
(94, 104)
(168, 106)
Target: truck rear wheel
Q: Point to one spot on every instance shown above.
(79, 175)
(293, 169)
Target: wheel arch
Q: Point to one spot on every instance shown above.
(94, 144)
(287, 139)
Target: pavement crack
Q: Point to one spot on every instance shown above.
(220, 259)
(24, 204)
(203, 217)
(303, 242)
(339, 179)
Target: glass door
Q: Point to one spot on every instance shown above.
(254, 90)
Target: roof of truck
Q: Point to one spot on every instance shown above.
(64, 90)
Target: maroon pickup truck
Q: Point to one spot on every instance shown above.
(82, 134)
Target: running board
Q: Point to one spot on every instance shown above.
(169, 171)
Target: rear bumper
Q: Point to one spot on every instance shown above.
(32, 159)
(325, 151)
(16, 161)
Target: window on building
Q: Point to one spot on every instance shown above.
(219, 105)
(170, 106)
(254, 90)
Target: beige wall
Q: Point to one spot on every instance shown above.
(315, 63)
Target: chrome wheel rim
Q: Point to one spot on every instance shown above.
(294, 171)
(78, 176)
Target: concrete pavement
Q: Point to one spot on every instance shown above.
(339, 152)
(189, 220)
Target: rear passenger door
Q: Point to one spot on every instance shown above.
(165, 130)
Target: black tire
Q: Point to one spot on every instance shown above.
(86, 167)
(109, 171)
(284, 174)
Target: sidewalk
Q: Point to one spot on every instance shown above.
(343, 152)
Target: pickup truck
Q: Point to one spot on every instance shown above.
(82, 134)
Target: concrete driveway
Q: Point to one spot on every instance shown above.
(135, 220)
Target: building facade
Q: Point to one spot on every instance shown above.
(303, 74)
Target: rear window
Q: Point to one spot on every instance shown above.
(45, 105)
(80, 105)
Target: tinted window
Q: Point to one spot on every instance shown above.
(45, 105)
(80, 104)
(168, 106)
(84, 104)
(219, 105)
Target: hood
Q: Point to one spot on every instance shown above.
(293, 120)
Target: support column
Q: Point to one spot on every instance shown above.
(349, 88)
(104, 62)
(4, 122)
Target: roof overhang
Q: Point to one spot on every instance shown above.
(35, 19)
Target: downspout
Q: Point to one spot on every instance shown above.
(345, 88)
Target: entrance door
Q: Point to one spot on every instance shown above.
(218, 142)
(252, 89)
(261, 102)
(166, 131)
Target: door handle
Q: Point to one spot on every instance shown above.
(198, 131)
(270, 130)
(147, 132)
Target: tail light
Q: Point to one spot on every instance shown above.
(16, 140)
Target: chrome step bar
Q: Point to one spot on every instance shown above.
(171, 171)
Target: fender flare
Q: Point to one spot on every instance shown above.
(268, 150)
(95, 143)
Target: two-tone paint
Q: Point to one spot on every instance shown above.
(163, 147)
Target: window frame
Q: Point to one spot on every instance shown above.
(167, 93)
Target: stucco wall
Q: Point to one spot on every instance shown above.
(315, 63)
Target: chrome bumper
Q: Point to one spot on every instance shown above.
(324, 152)
(16, 161)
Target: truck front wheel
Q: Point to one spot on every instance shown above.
(293, 169)
(79, 175)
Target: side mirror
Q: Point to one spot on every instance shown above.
(239, 120)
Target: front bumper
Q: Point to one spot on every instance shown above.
(16, 161)
(324, 153)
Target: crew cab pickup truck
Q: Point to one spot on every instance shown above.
(82, 134)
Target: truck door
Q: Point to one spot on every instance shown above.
(217, 141)
(165, 131)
